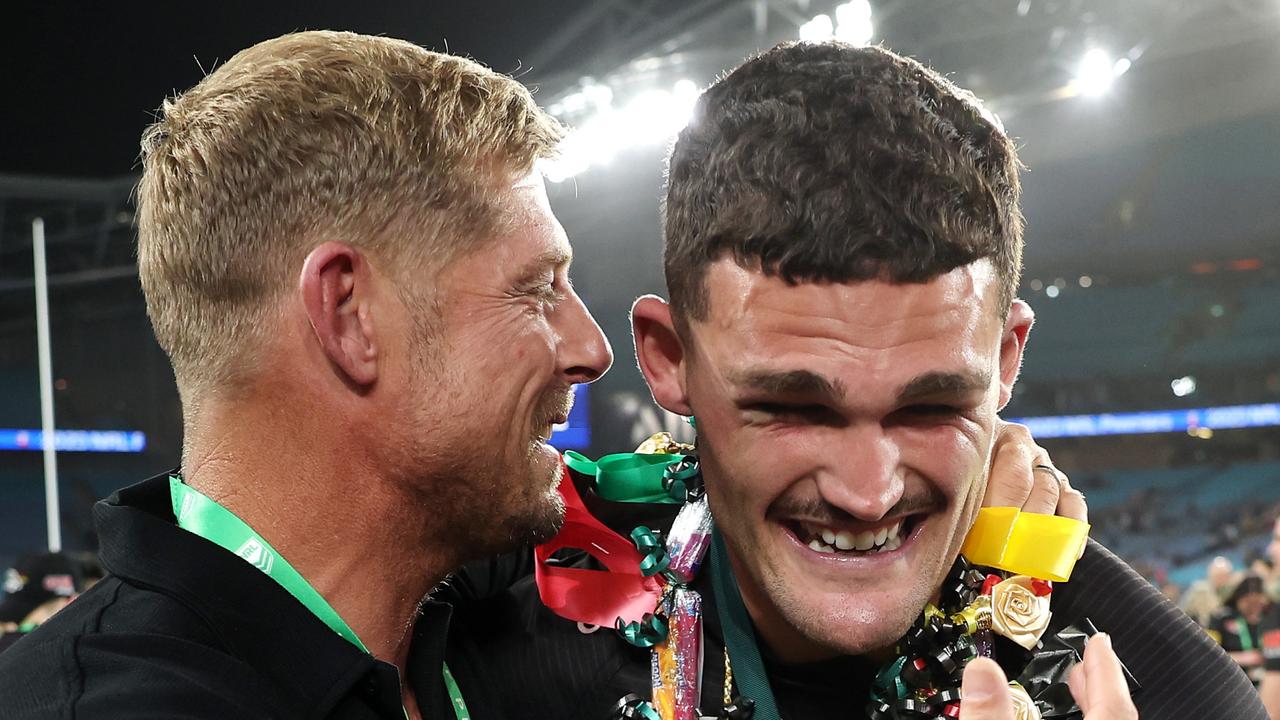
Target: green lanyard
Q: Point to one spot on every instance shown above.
(1246, 637)
(739, 635)
(198, 514)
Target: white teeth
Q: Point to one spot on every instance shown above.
(818, 546)
(886, 539)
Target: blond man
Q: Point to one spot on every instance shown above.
(349, 259)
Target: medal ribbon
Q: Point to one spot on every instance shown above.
(200, 515)
(739, 635)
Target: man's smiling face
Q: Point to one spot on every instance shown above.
(845, 431)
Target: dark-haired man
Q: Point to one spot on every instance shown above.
(843, 244)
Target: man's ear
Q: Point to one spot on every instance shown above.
(1012, 344)
(335, 286)
(660, 352)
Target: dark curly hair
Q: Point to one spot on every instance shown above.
(824, 162)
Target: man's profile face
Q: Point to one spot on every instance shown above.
(512, 339)
(836, 416)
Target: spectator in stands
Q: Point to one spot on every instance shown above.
(1273, 555)
(1201, 601)
(1269, 632)
(1222, 576)
(37, 587)
(1237, 625)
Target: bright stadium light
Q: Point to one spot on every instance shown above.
(818, 29)
(649, 117)
(1183, 386)
(1097, 71)
(853, 23)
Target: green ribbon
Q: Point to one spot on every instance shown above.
(627, 477)
(645, 632)
(676, 477)
(739, 634)
(199, 514)
(655, 558)
(889, 680)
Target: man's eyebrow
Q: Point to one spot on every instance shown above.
(554, 259)
(936, 384)
(789, 382)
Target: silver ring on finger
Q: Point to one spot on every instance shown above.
(1062, 479)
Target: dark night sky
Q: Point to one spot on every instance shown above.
(79, 80)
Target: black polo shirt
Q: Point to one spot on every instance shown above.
(1269, 636)
(574, 673)
(183, 628)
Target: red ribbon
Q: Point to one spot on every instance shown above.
(594, 597)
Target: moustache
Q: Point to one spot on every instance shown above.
(817, 510)
(553, 407)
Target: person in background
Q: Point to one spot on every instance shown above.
(37, 587)
(1237, 625)
(1273, 559)
(1222, 577)
(1269, 634)
(1200, 602)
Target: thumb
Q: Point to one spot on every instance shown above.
(985, 692)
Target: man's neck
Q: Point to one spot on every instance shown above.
(357, 538)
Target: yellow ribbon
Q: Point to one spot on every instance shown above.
(1041, 546)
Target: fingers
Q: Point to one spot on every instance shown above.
(1046, 486)
(986, 692)
(1010, 481)
(1014, 481)
(1078, 682)
(1106, 694)
(1071, 502)
(1023, 476)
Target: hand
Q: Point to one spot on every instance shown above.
(1023, 476)
(1097, 684)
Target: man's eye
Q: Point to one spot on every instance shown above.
(927, 414)
(544, 292)
(785, 412)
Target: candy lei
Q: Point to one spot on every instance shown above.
(978, 610)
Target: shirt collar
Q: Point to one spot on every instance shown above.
(257, 620)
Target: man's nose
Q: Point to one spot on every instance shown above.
(864, 477)
(585, 353)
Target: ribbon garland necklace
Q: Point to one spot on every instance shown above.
(980, 609)
(199, 514)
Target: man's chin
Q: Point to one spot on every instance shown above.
(855, 626)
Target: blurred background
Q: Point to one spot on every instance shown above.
(1150, 128)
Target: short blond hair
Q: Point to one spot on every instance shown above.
(305, 138)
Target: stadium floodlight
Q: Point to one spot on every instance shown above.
(818, 29)
(651, 116)
(600, 97)
(853, 23)
(1183, 386)
(1097, 71)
